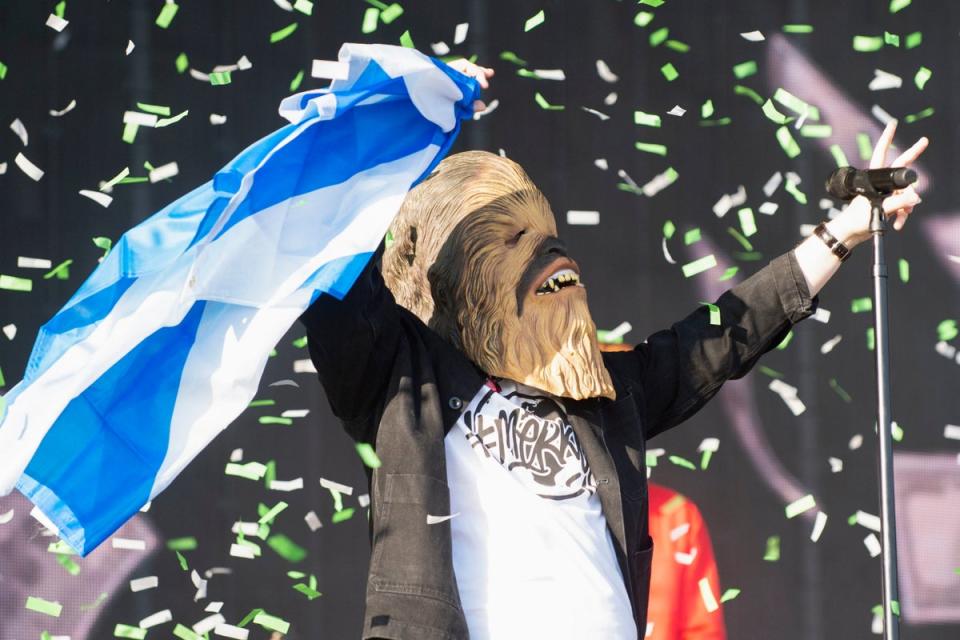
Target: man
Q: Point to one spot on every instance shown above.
(512, 486)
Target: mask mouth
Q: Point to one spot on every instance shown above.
(558, 280)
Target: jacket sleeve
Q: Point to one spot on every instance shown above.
(352, 343)
(676, 371)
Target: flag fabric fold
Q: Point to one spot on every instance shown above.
(165, 343)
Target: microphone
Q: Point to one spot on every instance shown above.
(846, 183)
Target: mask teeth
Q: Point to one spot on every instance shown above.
(552, 285)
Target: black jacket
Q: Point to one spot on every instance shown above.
(395, 383)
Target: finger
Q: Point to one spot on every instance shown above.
(911, 154)
(479, 105)
(906, 198)
(879, 158)
(901, 219)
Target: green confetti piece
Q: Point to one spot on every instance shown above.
(719, 122)
(304, 6)
(745, 69)
(653, 3)
(860, 305)
(729, 594)
(649, 147)
(796, 105)
(706, 109)
(60, 9)
(896, 432)
(129, 134)
(864, 146)
(840, 390)
(3, 382)
(669, 229)
(730, 272)
(406, 40)
(61, 547)
(218, 78)
(604, 337)
(899, 5)
(286, 548)
(103, 243)
(156, 109)
(296, 575)
(891, 39)
(699, 266)
(543, 104)
(676, 45)
(96, 603)
(300, 343)
(895, 604)
(182, 561)
(741, 90)
(13, 283)
(798, 28)
(271, 473)
(714, 315)
(510, 56)
(60, 272)
(788, 143)
(284, 33)
(126, 631)
(904, 268)
(188, 543)
(852, 520)
(747, 221)
(750, 256)
(816, 131)
(866, 44)
(767, 371)
(166, 15)
(871, 339)
(786, 341)
(659, 36)
(266, 402)
(794, 190)
(922, 77)
(368, 455)
(68, 563)
(45, 607)
(682, 462)
(770, 110)
(739, 237)
(247, 619)
(643, 18)
(272, 513)
(772, 553)
(947, 330)
(3, 71)
(646, 119)
(342, 515)
(920, 115)
(391, 13)
(691, 236)
(914, 40)
(271, 623)
(297, 79)
(534, 21)
(379, 5)
(185, 633)
(370, 19)
(839, 156)
(182, 63)
(311, 593)
(669, 72)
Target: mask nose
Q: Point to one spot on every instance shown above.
(553, 246)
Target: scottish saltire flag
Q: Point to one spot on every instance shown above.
(165, 343)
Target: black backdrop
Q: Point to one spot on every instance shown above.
(823, 589)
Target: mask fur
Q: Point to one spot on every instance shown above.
(470, 246)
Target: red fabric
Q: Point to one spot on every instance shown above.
(676, 609)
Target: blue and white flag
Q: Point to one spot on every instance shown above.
(165, 343)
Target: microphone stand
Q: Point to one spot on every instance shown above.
(888, 527)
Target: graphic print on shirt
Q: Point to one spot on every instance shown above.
(529, 434)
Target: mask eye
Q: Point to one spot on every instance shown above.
(512, 242)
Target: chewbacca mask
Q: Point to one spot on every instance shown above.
(477, 258)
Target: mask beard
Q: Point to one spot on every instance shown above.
(552, 347)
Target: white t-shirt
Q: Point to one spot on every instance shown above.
(531, 551)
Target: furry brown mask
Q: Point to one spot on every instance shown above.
(476, 257)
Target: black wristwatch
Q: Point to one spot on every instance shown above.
(836, 247)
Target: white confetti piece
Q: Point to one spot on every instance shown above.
(952, 432)
(142, 584)
(236, 455)
(685, 558)
(67, 109)
(594, 112)
(836, 464)
(867, 520)
(216, 119)
(208, 624)
(3, 168)
(155, 619)
(200, 584)
(583, 217)
(56, 23)
(330, 69)
(799, 506)
(753, 36)
(295, 413)
(244, 63)
(821, 315)
(677, 111)
(788, 394)
(872, 543)
(728, 201)
(287, 485)
(828, 346)
(440, 48)
(706, 594)
(818, 526)
(199, 75)
(678, 532)
(438, 519)
(490, 108)
(6, 517)
(284, 383)
(666, 252)
(140, 119)
(130, 47)
(304, 366)
(619, 331)
(772, 184)
(129, 544)
(550, 74)
(881, 115)
(42, 518)
(336, 486)
(605, 73)
(283, 4)
(364, 500)
(10, 330)
(660, 182)
(99, 197)
(20, 130)
(883, 80)
(855, 442)
(163, 172)
(709, 444)
(216, 571)
(601, 163)
(246, 528)
(213, 607)
(230, 631)
(610, 99)
(33, 263)
(768, 208)
(312, 520)
(241, 551)
(32, 170)
(460, 33)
